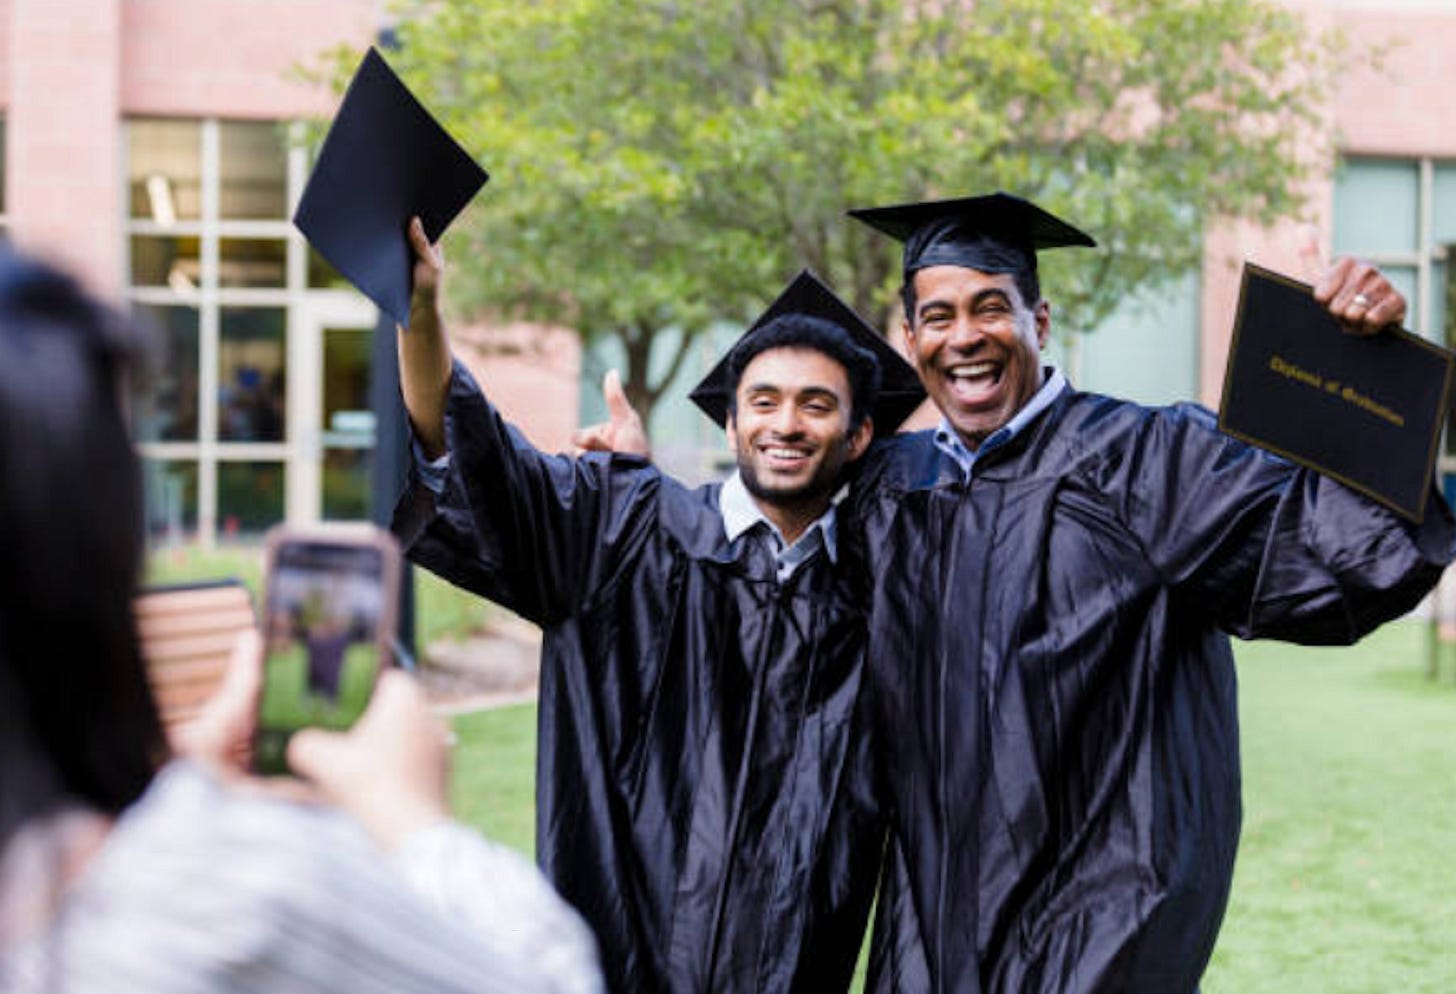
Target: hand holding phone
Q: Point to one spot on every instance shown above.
(221, 734)
(391, 772)
(330, 596)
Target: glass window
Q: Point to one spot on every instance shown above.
(346, 484)
(250, 379)
(1443, 210)
(164, 170)
(1147, 349)
(249, 498)
(166, 260)
(171, 495)
(253, 165)
(1443, 298)
(322, 275)
(165, 409)
(346, 380)
(1403, 278)
(252, 262)
(1376, 207)
(348, 423)
(208, 248)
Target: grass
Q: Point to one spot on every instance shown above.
(494, 775)
(1342, 883)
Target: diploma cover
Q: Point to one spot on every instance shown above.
(1364, 410)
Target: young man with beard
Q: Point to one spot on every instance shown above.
(704, 782)
(1054, 575)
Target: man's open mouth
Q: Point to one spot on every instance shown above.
(973, 383)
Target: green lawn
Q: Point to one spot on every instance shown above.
(494, 774)
(1343, 882)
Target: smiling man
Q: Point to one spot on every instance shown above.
(787, 426)
(1054, 574)
(704, 780)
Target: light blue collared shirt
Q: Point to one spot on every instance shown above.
(740, 513)
(949, 442)
(433, 472)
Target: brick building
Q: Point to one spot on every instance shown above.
(151, 146)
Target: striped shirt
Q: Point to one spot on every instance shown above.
(199, 888)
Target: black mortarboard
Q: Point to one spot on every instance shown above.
(998, 233)
(900, 389)
(384, 160)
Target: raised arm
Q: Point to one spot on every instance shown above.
(488, 511)
(424, 355)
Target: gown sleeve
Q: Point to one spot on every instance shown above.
(539, 534)
(1269, 549)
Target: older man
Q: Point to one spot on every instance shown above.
(1054, 573)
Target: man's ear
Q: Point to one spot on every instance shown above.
(1042, 315)
(730, 427)
(860, 438)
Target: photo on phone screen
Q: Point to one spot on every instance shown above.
(328, 616)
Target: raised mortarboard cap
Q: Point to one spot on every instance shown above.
(384, 160)
(996, 233)
(900, 389)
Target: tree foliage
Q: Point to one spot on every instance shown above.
(671, 163)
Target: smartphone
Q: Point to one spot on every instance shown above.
(330, 595)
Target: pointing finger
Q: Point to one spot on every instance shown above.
(618, 407)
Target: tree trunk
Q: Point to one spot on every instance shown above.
(637, 342)
(638, 349)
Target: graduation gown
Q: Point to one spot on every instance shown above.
(1054, 689)
(704, 779)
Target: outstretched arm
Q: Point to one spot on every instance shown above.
(1278, 551)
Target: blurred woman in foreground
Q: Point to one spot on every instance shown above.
(129, 864)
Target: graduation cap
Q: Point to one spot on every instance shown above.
(384, 160)
(900, 390)
(997, 233)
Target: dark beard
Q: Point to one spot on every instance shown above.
(817, 488)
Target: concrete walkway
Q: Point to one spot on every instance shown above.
(494, 668)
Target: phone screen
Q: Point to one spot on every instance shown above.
(325, 605)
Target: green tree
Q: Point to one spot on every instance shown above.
(666, 164)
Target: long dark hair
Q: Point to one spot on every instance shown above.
(77, 721)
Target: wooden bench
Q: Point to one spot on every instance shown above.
(187, 634)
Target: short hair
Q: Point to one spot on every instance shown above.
(1028, 284)
(77, 719)
(805, 331)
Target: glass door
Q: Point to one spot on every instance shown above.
(347, 424)
(331, 452)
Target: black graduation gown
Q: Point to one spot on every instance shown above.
(704, 793)
(1054, 690)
